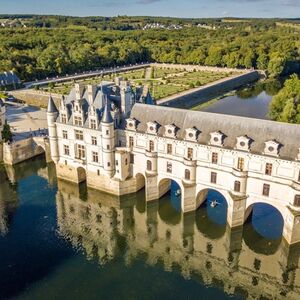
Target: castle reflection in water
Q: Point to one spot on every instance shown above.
(238, 261)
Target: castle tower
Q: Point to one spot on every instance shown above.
(108, 140)
(52, 114)
(126, 99)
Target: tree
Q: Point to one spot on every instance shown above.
(6, 133)
(276, 64)
(285, 106)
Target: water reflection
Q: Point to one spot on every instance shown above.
(8, 202)
(236, 261)
(252, 101)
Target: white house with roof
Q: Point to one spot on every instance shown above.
(247, 160)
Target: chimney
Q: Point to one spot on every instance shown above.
(79, 89)
(92, 89)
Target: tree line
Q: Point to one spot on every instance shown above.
(38, 52)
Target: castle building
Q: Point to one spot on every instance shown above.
(104, 136)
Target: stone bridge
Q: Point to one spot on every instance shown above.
(24, 149)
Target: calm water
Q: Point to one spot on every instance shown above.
(250, 102)
(60, 241)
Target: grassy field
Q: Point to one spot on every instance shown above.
(163, 82)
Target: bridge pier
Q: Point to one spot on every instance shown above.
(236, 210)
(291, 229)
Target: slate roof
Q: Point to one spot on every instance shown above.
(260, 131)
(106, 117)
(51, 106)
(8, 78)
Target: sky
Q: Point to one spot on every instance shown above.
(173, 8)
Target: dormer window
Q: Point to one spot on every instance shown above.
(272, 148)
(191, 134)
(78, 121)
(217, 138)
(63, 118)
(243, 143)
(170, 131)
(152, 127)
(131, 124)
(93, 124)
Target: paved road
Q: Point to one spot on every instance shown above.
(26, 120)
(85, 75)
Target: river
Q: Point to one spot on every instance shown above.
(252, 101)
(61, 241)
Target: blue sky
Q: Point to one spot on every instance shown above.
(176, 8)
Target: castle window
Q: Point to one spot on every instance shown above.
(65, 134)
(107, 132)
(299, 176)
(117, 162)
(93, 124)
(95, 157)
(169, 148)
(190, 153)
(169, 167)
(131, 141)
(108, 164)
(151, 146)
(266, 190)
(268, 170)
(131, 158)
(66, 150)
(79, 135)
(241, 164)
(149, 165)
(126, 161)
(297, 201)
(214, 158)
(107, 147)
(237, 186)
(213, 177)
(78, 121)
(98, 172)
(63, 118)
(94, 140)
(187, 174)
(80, 152)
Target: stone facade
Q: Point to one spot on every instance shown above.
(2, 117)
(248, 161)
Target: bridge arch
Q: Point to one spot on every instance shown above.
(81, 174)
(211, 220)
(266, 218)
(140, 181)
(170, 204)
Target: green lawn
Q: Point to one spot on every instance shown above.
(166, 81)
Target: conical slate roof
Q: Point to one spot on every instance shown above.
(51, 106)
(106, 117)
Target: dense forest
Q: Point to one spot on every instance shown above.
(55, 45)
(285, 106)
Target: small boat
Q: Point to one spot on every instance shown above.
(214, 203)
(178, 193)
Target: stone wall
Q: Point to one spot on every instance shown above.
(35, 98)
(198, 68)
(19, 151)
(1, 152)
(205, 93)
